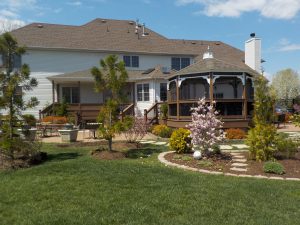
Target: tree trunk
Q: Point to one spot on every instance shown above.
(110, 144)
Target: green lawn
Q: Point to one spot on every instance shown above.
(72, 188)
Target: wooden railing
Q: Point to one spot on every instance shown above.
(129, 110)
(155, 109)
(87, 112)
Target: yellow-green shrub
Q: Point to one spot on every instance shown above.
(180, 141)
(162, 131)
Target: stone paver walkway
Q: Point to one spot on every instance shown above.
(239, 162)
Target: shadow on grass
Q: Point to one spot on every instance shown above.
(63, 156)
(143, 152)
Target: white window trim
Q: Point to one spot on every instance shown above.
(143, 92)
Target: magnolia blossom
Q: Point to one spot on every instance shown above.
(206, 128)
(138, 130)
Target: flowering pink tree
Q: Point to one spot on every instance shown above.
(137, 131)
(206, 128)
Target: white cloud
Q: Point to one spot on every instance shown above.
(58, 10)
(75, 3)
(10, 13)
(7, 25)
(16, 5)
(285, 45)
(290, 47)
(278, 9)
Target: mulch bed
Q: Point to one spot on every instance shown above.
(22, 161)
(222, 163)
(101, 143)
(103, 153)
(108, 155)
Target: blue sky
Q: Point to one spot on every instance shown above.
(277, 22)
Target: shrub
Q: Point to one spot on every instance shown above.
(261, 140)
(29, 119)
(235, 133)
(285, 147)
(273, 167)
(295, 119)
(162, 131)
(164, 111)
(180, 141)
(55, 119)
(216, 149)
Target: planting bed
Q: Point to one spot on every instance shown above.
(223, 163)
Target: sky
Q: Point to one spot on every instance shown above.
(276, 22)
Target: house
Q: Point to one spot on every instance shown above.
(159, 69)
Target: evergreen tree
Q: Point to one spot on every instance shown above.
(112, 77)
(262, 138)
(14, 82)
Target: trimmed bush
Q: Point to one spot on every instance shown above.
(273, 167)
(29, 119)
(180, 141)
(164, 111)
(55, 119)
(235, 133)
(286, 148)
(262, 142)
(162, 131)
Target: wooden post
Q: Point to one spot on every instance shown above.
(245, 97)
(145, 115)
(53, 92)
(156, 111)
(53, 96)
(177, 98)
(79, 93)
(211, 88)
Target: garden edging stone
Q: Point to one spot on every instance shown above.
(161, 158)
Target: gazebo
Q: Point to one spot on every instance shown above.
(230, 86)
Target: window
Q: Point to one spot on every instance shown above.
(70, 94)
(143, 92)
(17, 61)
(163, 92)
(127, 60)
(131, 61)
(135, 61)
(175, 63)
(180, 63)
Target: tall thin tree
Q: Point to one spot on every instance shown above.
(14, 82)
(111, 77)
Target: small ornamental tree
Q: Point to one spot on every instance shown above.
(206, 128)
(262, 138)
(13, 83)
(111, 77)
(137, 130)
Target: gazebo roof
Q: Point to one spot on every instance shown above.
(213, 65)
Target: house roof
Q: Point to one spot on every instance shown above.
(118, 36)
(213, 65)
(133, 75)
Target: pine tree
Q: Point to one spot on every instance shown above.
(112, 77)
(14, 83)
